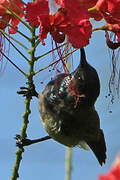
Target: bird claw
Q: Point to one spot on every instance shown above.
(21, 142)
(28, 92)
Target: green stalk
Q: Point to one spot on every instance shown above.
(5, 22)
(24, 3)
(20, 10)
(37, 43)
(20, 19)
(68, 155)
(16, 48)
(67, 59)
(102, 28)
(55, 62)
(13, 64)
(37, 58)
(68, 162)
(3, 32)
(27, 111)
(94, 8)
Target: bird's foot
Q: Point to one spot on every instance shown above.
(21, 142)
(28, 92)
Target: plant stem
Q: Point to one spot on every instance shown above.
(3, 32)
(16, 48)
(68, 156)
(27, 112)
(13, 64)
(20, 19)
(102, 28)
(37, 42)
(55, 62)
(22, 34)
(24, 3)
(14, 4)
(68, 162)
(37, 58)
(94, 8)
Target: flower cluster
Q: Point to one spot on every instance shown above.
(7, 8)
(114, 173)
(110, 11)
(71, 19)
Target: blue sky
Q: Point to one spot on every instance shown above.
(46, 159)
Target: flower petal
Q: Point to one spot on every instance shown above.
(37, 12)
(79, 35)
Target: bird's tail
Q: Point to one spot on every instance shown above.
(99, 148)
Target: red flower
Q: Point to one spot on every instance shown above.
(78, 27)
(110, 10)
(37, 13)
(114, 28)
(114, 173)
(71, 19)
(7, 16)
(87, 4)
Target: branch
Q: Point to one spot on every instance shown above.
(55, 62)
(14, 64)
(68, 162)
(3, 32)
(16, 48)
(27, 112)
